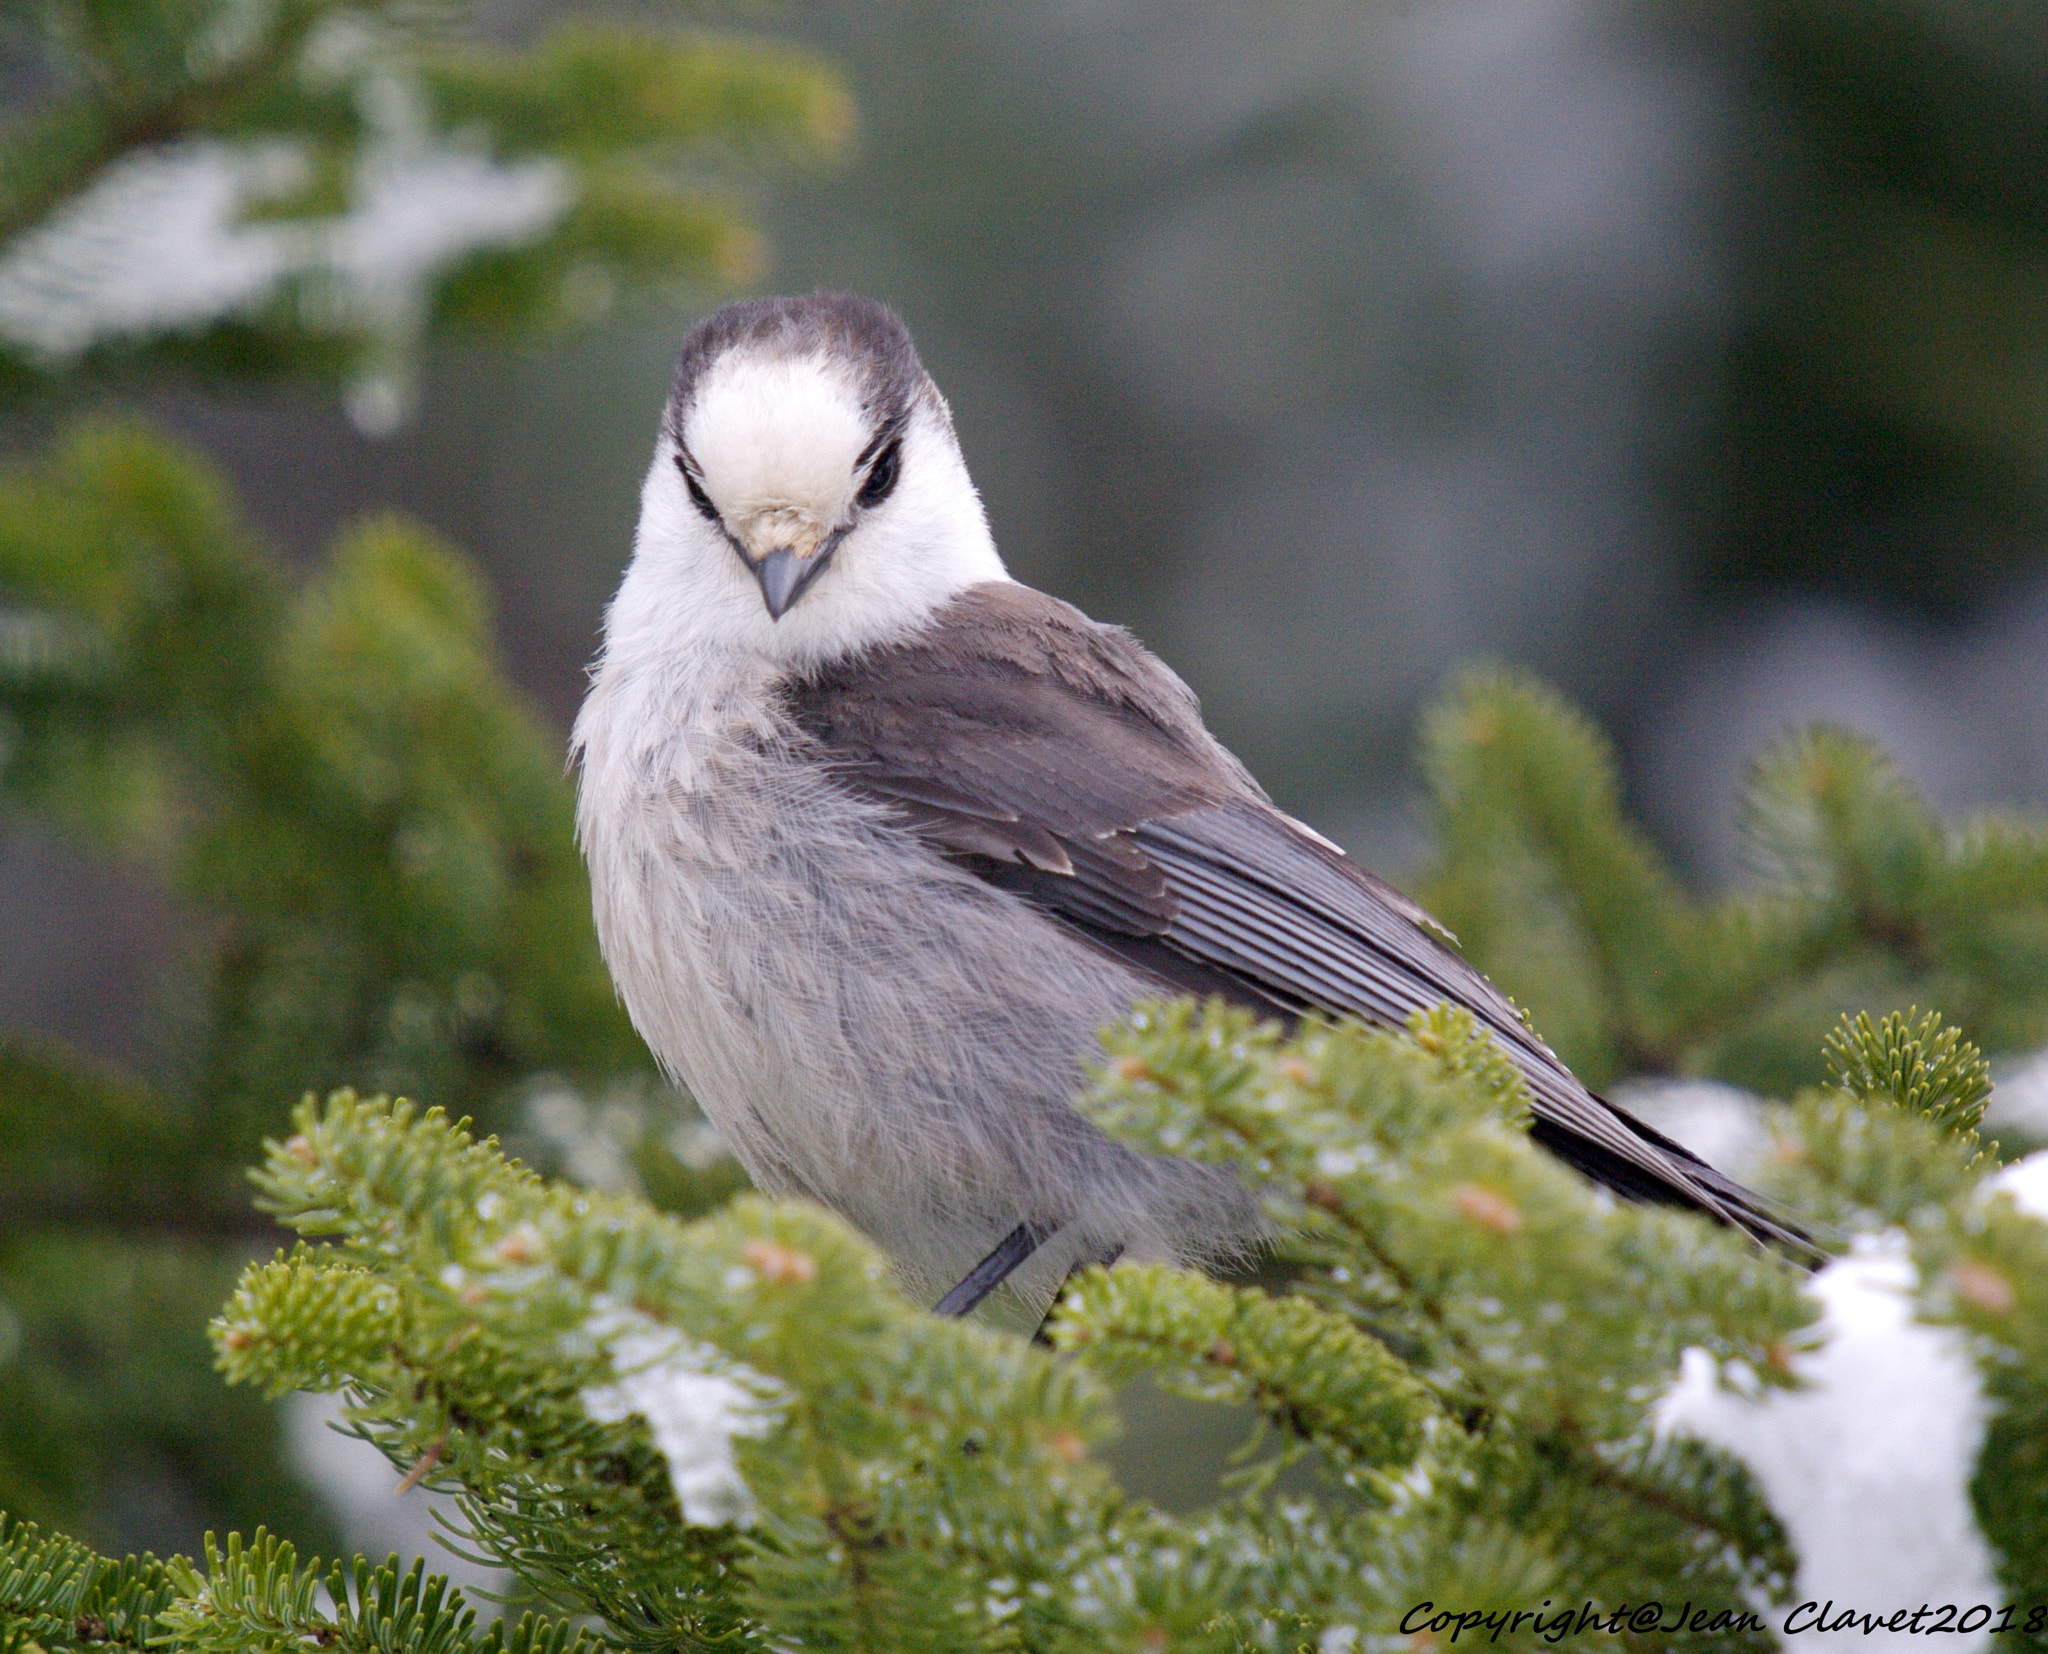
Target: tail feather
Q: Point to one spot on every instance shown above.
(1683, 1180)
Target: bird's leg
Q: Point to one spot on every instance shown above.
(1045, 1320)
(991, 1272)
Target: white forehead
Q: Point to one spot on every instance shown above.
(768, 429)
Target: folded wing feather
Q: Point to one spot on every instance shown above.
(1059, 759)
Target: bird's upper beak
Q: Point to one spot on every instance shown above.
(782, 574)
(786, 573)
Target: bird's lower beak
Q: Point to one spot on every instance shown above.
(784, 574)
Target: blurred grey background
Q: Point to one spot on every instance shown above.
(1693, 357)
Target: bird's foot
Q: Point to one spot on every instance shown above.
(991, 1272)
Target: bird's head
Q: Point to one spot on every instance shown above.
(808, 496)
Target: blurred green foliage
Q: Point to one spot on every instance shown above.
(376, 836)
(338, 772)
(367, 831)
(618, 133)
(1885, 433)
(1864, 900)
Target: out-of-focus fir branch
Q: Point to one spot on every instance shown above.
(346, 180)
(1521, 765)
(52, 157)
(603, 92)
(338, 777)
(1828, 818)
(1865, 899)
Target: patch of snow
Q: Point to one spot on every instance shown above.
(695, 1401)
(593, 1140)
(593, 1144)
(2019, 1095)
(2027, 1182)
(155, 244)
(1722, 1124)
(162, 242)
(1869, 1467)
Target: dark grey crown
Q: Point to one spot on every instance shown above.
(869, 337)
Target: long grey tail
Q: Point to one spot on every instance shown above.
(1683, 1180)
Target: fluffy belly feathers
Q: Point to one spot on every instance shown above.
(865, 1024)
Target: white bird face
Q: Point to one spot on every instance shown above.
(779, 455)
(808, 496)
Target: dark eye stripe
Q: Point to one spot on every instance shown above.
(881, 481)
(698, 498)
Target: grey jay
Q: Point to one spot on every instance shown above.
(879, 839)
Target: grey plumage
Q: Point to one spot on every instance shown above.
(872, 863)
(873, 1027)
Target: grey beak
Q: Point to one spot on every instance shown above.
(782, 575)
(785, 577)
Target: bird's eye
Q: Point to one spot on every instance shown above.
(698, 498)
(881, 476)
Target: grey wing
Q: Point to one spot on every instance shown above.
(1094, 793)
(1278, 906)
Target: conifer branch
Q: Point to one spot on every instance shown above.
(1915, 1063)
(1309, 1372)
